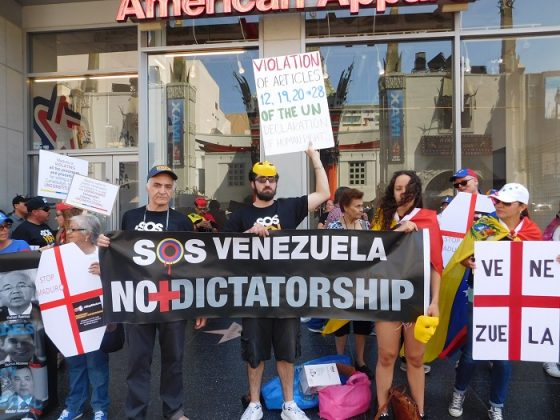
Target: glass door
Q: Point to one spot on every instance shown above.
(119, 170)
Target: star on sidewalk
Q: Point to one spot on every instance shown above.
(231, 333)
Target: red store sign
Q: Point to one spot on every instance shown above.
(165, 9)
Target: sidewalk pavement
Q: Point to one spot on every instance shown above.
(215, 379)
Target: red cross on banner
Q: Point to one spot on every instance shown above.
(164, 296)
(517, 301)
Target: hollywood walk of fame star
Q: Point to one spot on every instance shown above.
(231, 333)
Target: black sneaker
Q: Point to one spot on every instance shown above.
(365, 369)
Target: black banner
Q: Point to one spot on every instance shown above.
(167, 276)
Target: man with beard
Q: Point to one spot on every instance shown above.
(260, 334)
(156, 216)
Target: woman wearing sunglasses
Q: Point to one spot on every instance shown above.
(511, 223)
(8, 245)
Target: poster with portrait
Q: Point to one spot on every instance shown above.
(23, 367)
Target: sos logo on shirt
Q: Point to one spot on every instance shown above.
(271, 223)
(149, 226)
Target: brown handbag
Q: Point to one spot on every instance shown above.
(404, 407)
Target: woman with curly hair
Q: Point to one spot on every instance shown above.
(400, 209)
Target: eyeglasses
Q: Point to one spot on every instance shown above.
(5, 227)
(263, 179)
(462, 183)
(70, 230)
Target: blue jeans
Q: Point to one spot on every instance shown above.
(85, 370)
(499, 376)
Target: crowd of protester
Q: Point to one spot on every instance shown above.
(400, 209)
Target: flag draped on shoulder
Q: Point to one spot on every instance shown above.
(424, 219)
(451, 332)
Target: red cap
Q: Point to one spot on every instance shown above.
(201, 202)
(63, 206)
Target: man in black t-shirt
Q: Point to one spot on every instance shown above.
(156, 216)
(260, 334)
(35, 230)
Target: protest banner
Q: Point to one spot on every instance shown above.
(56, 172)
(458, 217)
(516, 309)
(91, 194)
(293, 107)
(23, 367)
(167, 276)
(70, 299)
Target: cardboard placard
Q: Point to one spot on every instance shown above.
(71, 300)
(93, 195)
(56, 172)
(516, 301)
(293, 107)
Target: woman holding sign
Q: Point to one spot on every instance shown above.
(400, 209)
(90, 368)
(511, 223)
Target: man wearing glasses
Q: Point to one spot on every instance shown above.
(465, 180)
(260, 334)
(35, 230)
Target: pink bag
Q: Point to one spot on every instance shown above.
(341, 402)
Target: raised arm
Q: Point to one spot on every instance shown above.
(322, 192)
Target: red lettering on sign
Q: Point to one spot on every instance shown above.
(516, 301)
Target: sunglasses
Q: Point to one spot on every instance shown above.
(503, 203)
(263, 179)
(5, 227)
(462, 183)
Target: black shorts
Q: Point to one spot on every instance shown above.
(259, 335)
(358, 327)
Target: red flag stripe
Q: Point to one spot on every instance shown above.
(470, 219)
(69, 307)
(75, 298)
(515, 293)
(452, 234)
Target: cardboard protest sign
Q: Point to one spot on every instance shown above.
(71, 300)
(458, 217)
(517, 301)
(168, 276)
(56, 172)
(293, 107)
(91, 194)
(23, 359)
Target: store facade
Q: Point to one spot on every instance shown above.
(428, 85)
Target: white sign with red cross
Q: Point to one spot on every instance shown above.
(516, 308)
(71, 300)
(458, 217)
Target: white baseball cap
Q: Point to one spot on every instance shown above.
(511, 193)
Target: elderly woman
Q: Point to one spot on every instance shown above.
(352, 206)
(400, 209)
(64, 212)
(511, 223)
(91, 368)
